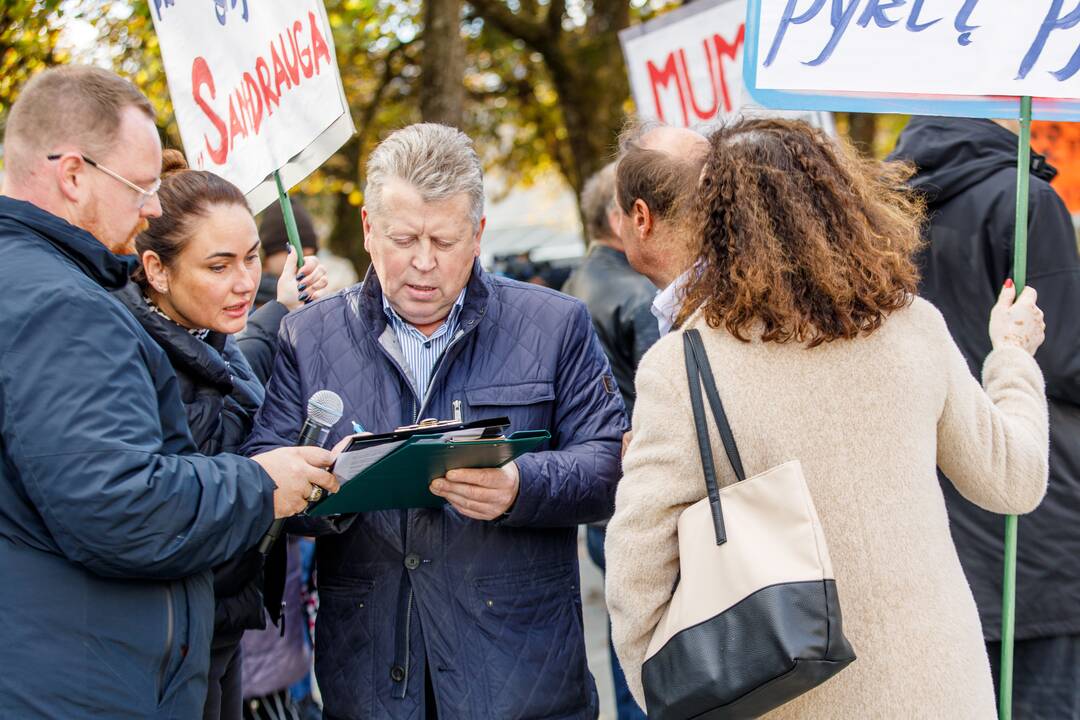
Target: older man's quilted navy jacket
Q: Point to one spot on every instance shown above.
(492, 610)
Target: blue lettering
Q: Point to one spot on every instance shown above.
(158, 4)
(961, 23)
(1054, 21)
(875, 11)
(789, 18)
(220, 6)
(1070, 68)
(913, 20)
(841, 18)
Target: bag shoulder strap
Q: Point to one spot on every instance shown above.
(719, 416)
(698, 373)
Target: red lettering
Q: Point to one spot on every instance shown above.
(731, 50)
(254, 102)
(236, 124)
(263, 71)
(302, 53)
(663, 78)
(293, 67)
(319, 48)
(280, 76)
(262, 87)
(688, 79)
(202, 77)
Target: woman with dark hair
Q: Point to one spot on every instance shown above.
(803, 293)
(192, 293)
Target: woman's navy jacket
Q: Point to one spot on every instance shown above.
(492, 610)
(109, 521)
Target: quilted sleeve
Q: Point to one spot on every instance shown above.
(574, 483)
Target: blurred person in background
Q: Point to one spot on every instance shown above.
(275, 244)
(258, 341)
(965, 168)
(192, 293)
(804, 296)
(619, 300)
(277, 661)
(111, 519)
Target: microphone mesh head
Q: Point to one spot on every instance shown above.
(325, 408)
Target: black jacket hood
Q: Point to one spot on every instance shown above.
(202, 359)
(953, 154)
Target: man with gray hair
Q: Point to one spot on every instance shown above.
(471, 610)
(110, 522)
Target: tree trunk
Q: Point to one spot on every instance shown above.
(442, 64)
(591, 102)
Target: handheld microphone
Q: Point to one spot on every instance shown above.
(324, 409)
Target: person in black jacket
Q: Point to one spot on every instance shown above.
(200, 269)
(619, 300)
(258, 341)
(966, 169)
(618, 297)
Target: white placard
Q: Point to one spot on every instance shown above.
(940, 47)
(685, 67)
(255, 88)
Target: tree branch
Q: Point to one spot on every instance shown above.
(499, 16)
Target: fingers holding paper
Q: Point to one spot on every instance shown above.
(479, 493)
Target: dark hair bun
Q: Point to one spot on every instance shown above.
(172, 161)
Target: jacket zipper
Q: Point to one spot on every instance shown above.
(438, 369)
(169, 630)
(417, 409)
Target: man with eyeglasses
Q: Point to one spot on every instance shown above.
(109, 523)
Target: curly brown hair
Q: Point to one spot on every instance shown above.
(800, 236)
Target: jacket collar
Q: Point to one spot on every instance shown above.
(477, 298)
(610, 252)
(94, 259)
(202, 360)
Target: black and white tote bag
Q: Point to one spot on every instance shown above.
(755, 619)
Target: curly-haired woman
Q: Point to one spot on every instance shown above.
(804, 296)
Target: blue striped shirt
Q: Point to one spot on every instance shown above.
(421, 352)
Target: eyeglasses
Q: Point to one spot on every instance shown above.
(144, 195)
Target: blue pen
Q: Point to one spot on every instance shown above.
(357, 427)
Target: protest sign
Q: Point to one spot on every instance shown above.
(952, 57)
(255, 88)
(685, 66)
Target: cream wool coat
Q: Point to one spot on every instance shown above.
(869, 419)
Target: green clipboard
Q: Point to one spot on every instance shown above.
(400, 480)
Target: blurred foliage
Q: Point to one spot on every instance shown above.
(29, 30)
(873, 135)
